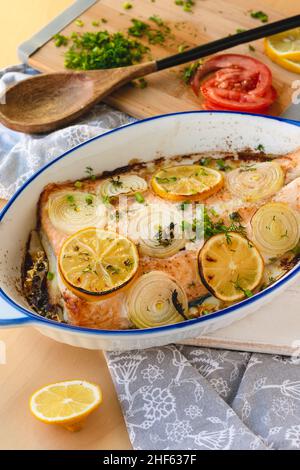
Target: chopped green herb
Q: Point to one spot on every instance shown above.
(171, 179)
(140, 83)
(60, 40)
(89, 200)
(183, 205)
(112, 269)
(127, 6)
(90, 173)
(88, 269)
(128, 263)
(205, 161)
(156, 19)
(259, 15)
(79, 23)
(182, 47)
(106, 199)
(165, 237)
(103, 20)
(50, 276)
(251, 48)
(116, 182)
(117, 215)
(246, 168)
(222, 165)
(78, 184)
(139, 198)
(185, 4)
(240, 30)
(260, 148)
(214, 227)
(102, 50)
(70, 199)
(140, 29)
(248, 293)
(96, 23)
(190, 71)
(235, 216)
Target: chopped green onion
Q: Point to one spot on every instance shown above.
(79, 23)
(139, 198)
(259, 15)
(60, 40)
(260, 148)
(89, 200)
(50, 276)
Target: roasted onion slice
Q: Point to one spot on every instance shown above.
(156, 299)
(255, 182)
(122, 184)
(276, 228)
(74, 210)
(157, 231)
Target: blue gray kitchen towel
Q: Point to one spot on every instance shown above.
(174, 397)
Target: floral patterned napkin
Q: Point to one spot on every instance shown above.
(182, 397)
(175, 397)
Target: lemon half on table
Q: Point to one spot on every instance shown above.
(284, 49)
(182, 182)
(95, 263)
(66, 403)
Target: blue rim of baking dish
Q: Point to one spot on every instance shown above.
(34, 318)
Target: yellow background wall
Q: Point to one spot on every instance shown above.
(19, 19)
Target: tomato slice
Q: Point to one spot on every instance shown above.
(239, 83)
(208, 105)
(259, 73)
(239, 103)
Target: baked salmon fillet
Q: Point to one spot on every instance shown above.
(225, 210)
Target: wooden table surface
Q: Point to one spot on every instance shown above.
(47, 361)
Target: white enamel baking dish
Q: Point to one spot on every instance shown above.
(167, 135)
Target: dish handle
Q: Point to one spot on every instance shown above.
(10, 317)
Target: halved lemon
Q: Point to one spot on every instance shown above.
(230, 266)
(194, 182)
(284, 49)
(94, 263)
(285, 45)
(66, 403)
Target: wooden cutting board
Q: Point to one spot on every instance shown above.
(166, 92)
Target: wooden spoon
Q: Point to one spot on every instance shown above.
(46, 102)
(50, 101)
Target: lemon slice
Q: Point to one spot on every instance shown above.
(194, 182)
(66, 403)
(230, 266)
(94, 263)
(284, 49)
(284, 45)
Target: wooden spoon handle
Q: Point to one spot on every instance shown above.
(106, 81)
(230, 41)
